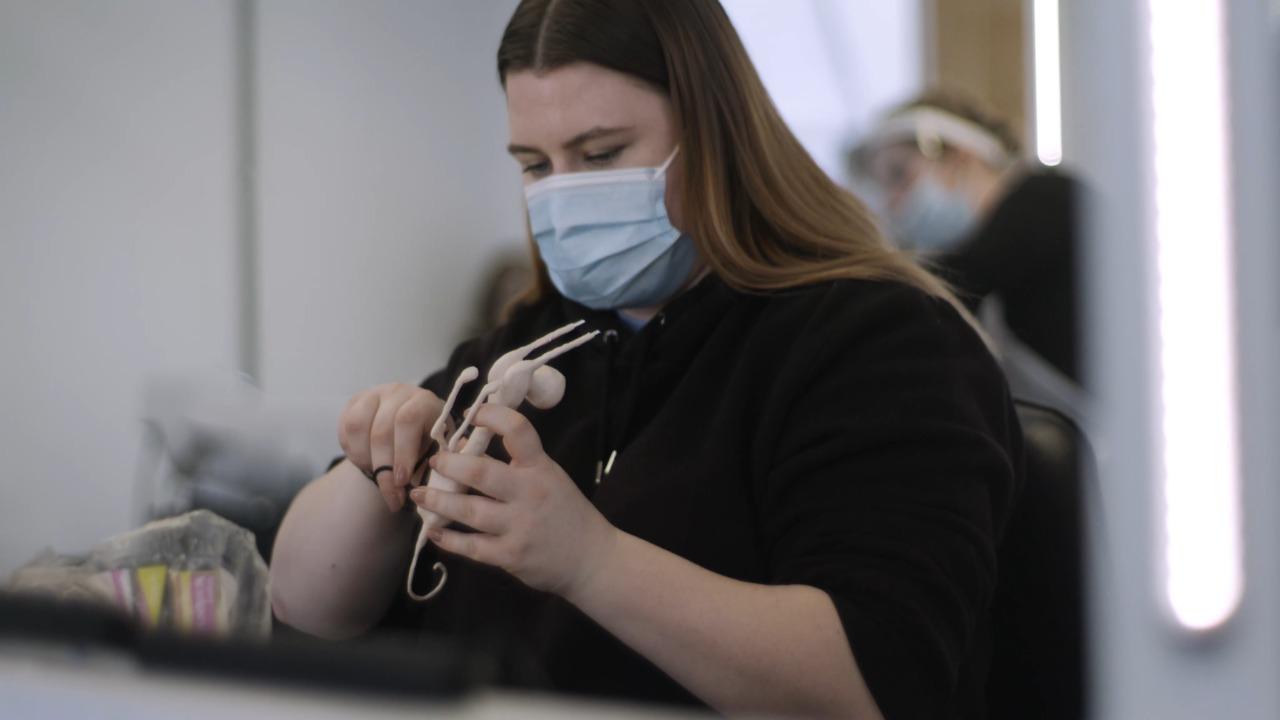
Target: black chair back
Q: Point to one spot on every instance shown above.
(1038, 653)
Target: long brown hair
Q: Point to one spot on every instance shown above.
(761, 212)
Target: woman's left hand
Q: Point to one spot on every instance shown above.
(531, 520)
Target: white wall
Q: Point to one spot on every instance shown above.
(832, 66)
(385, 185)
(115, 230)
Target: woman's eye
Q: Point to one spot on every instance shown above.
(538, 168)
(603, 158)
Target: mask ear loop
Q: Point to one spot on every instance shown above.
(662, 169)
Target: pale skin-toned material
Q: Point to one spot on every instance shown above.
(513, 379)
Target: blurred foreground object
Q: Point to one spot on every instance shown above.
(195, 573)
(216, 442)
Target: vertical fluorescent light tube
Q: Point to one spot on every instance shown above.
(1199, 460)
(1048, 84)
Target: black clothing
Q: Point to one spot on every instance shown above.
(1025, 253)
(853, 436)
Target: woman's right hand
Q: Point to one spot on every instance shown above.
(389, 425)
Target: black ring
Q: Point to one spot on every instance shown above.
(374, 475)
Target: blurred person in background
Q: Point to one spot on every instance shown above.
(945, 174)
(776, 482)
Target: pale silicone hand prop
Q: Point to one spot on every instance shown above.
(512, 379)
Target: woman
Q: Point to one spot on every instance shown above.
(947, 175)
(776, 482)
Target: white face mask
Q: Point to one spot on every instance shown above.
(606, 239)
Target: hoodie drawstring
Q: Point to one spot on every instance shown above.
(609, 444)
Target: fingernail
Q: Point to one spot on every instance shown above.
(435, 534)
(432, 461)
(418, 494)
(402, 477)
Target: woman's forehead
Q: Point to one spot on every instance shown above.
(547, 109)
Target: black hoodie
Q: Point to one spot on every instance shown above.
(855, 436)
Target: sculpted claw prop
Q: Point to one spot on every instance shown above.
(512, 379)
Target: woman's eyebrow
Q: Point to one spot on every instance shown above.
(582, 137)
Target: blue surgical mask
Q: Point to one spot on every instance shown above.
(933, 218)
(606, 239)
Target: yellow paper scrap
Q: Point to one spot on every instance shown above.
(151, 581)
(180, 599)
